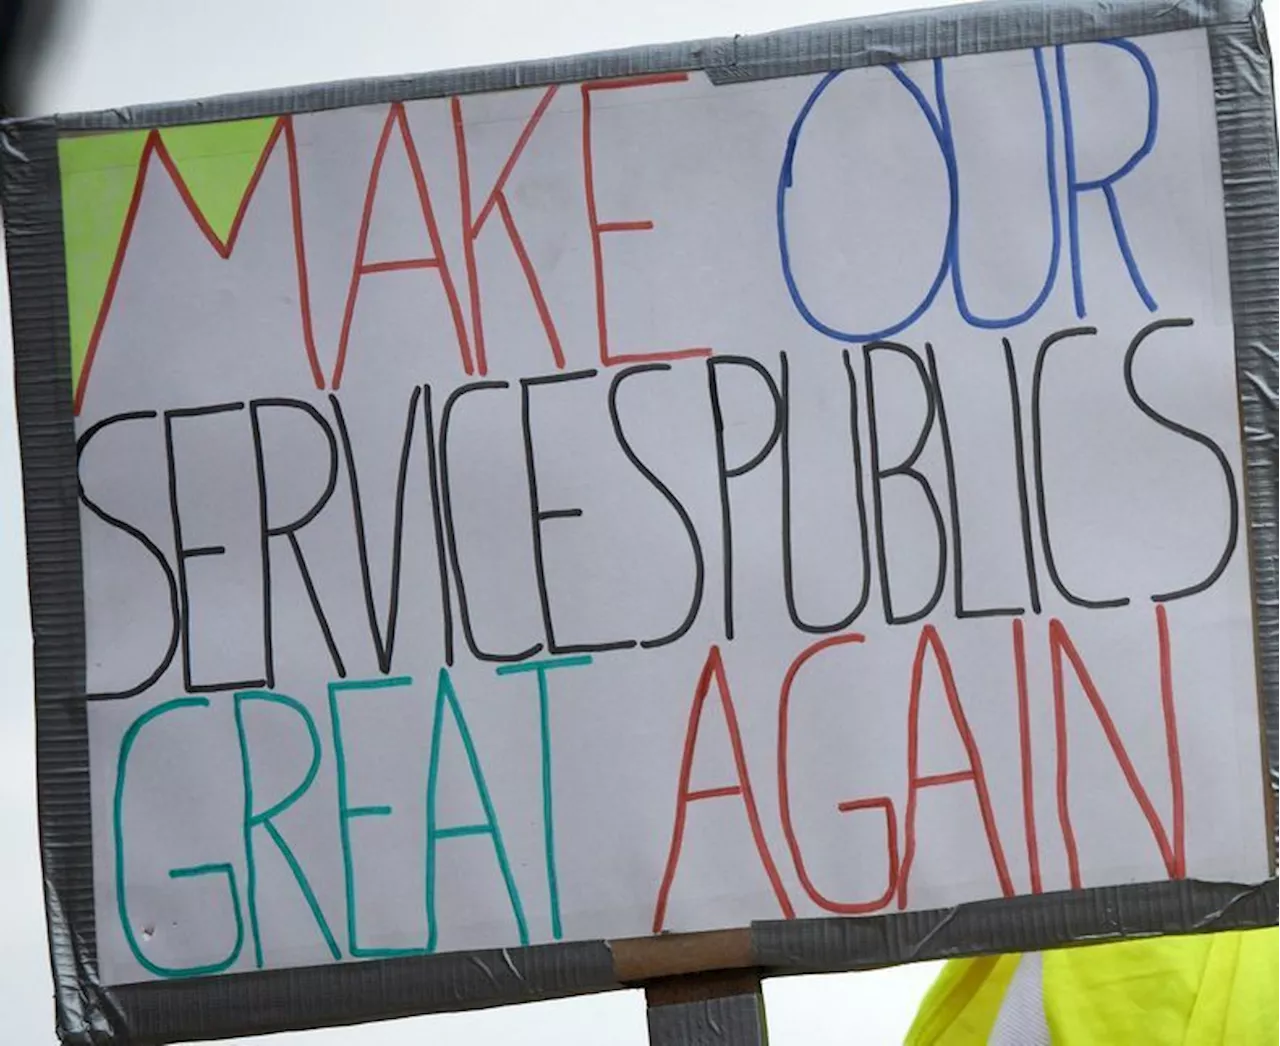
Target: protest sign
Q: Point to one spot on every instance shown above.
(675, 491)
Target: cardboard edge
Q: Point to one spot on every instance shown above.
(971, 28)
(1244, 93)
(32, 206)
(348, 993)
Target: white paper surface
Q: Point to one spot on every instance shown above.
(817, 782)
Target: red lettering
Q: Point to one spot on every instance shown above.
(436, 260)
(929, 640)
(497, 200)
(155, 147)
(599, 228)
(1171, 743)
(1174, 856)
(1024, 748)
(713, 669)
(882, 803)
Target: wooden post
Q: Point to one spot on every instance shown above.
(701, 989)
(725, 1008)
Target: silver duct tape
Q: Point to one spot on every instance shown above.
(945, 32)
(32, 207)
(348, 993)
(735, 1020)
(961, 30)
(1018, 924)
(1244, 93)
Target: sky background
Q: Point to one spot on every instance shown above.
(110, 53)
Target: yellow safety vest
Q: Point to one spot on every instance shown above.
(1200, 990)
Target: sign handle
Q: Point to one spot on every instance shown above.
(722, 1008)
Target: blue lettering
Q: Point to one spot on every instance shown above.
(938, 118)
(1106, 185)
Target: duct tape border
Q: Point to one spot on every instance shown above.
(279, 1000)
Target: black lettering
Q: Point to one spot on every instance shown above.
(446, 504)
(1037, 450)
(1019, 461)
(184, 553)
(699, 566)
(788, 571)
(289, 531)
(1233, 504)
(725, 473)
(446, 609)
(152, 549)
(957, 538)
(383, 647)
(904, 468)
(538, 515)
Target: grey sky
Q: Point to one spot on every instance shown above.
(120, 52)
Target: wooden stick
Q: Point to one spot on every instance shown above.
(639, 960)
(724, 1007)
(699, 987)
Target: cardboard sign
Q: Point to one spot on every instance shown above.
(643, 503)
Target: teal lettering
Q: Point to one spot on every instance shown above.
(544, 727)
(263, 819)
(195, 871)
(447, 696)
(347, 813)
